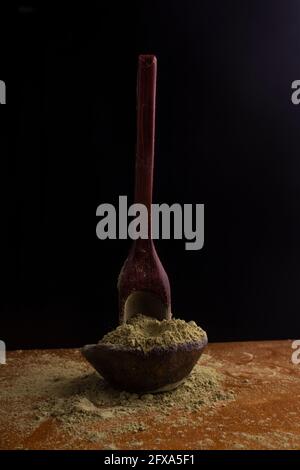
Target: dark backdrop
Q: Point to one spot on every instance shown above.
(227, 136)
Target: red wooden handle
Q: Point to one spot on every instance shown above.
(146, 94)
(142, 273)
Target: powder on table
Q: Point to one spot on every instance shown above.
(50, 385)
(145, 333)
(90, 399)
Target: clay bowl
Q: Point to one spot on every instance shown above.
(135, 371)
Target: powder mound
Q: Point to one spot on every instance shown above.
(61, 388)
(145, 333)
(90, 397)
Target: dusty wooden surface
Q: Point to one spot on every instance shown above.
(264, 415)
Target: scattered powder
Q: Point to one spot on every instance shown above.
(90, 398)
(91, 395)
(67, 391)
(145, 333)
(271, 440)
(53, 400)
(112, 446)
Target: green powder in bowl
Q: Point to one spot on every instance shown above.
(145, 333)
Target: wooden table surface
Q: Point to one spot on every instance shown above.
(264, 414)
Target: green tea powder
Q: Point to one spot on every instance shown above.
(145, 333)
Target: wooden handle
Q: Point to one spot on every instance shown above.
(143, 283)
(146, 94)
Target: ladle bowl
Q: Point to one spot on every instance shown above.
(136, 371)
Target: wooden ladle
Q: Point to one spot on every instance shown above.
(143, 283)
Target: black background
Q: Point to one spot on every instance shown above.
(227, 136)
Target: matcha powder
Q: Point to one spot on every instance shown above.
(145, 333)
(61, 386)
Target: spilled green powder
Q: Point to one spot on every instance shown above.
(59, 387)
(145, 333)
